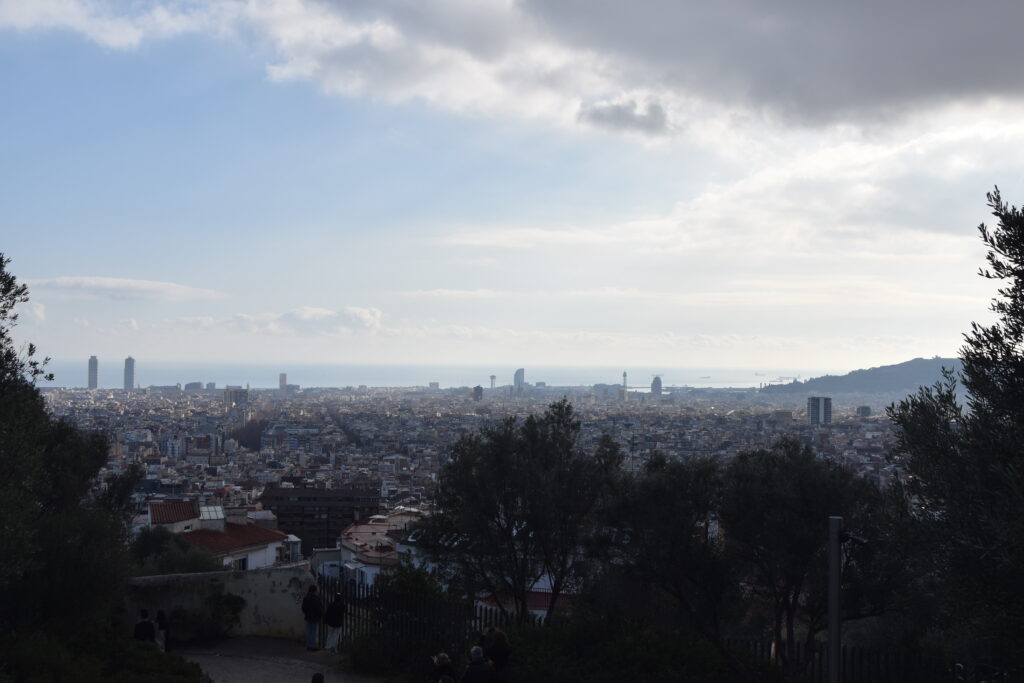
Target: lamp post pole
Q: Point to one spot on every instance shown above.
(835, 528)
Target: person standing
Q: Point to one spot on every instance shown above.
(145, 630)
(480, 670)
(498, 649)
(313, 612)
(335, 619)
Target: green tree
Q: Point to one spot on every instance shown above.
(156, 551)
(774, 511)
(667, 516)
(63, 533)
(516, 502)
(965, 461)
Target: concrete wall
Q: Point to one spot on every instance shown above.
(273, 597)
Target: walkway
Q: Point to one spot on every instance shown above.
(252, 659)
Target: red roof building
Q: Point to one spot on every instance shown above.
(177, 515)
(242, 546)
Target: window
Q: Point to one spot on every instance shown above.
(241, 564)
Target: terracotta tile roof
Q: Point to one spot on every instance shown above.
(536, 601)
(234, 537)
(172, 511)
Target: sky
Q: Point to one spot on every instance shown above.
(571, 182)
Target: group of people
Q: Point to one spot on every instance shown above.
(152, 631)
(488, 660)
(334, 616)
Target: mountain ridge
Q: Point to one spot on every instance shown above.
(901, 377)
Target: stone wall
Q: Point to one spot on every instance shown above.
(273, 597)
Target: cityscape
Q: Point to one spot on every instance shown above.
(505, 341)
(229, 445)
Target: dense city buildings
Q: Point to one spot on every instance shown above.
(311, 462)
(94, 372)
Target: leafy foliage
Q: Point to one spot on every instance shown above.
(774, 509)
(155, 551)
(219, 614)
(966, 461)
(517, 501)
(667, 516)
(63, 535)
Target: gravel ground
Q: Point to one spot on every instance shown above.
(268, 660)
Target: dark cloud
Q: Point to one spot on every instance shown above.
(626, 116)
(811, 61)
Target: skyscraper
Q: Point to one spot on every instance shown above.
(819, 410)
(94, 372)
(129, 373)
(656, 386)
(282, 381)
(519, 380)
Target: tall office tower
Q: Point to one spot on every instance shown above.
(94, 372)
(819, 410)
(282, 381)
(236, 396)
(519, 380)
(493, 377)
(129, 373)
(478, 393)
(656, 386)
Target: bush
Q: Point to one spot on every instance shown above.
(214, 621)
(95, 658)
(574, 651)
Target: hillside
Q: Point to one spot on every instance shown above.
(902, 377)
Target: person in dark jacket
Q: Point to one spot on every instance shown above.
(145, 630)
(313, 612)
(334, 617)
(480, 670)
(442, 667)
(497, 649)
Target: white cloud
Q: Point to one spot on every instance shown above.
(119, 26)
(123, 288)
(302, 321)
(651, 66)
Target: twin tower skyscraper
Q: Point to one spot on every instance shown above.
(94, 372)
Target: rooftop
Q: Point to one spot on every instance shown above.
(234, 537)
(173, 511)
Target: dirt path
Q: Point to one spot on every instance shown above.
(268, 660)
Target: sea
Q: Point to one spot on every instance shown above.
(265, 375)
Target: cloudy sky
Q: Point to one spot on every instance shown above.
(656, 182)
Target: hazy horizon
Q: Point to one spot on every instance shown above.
(265, 375)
